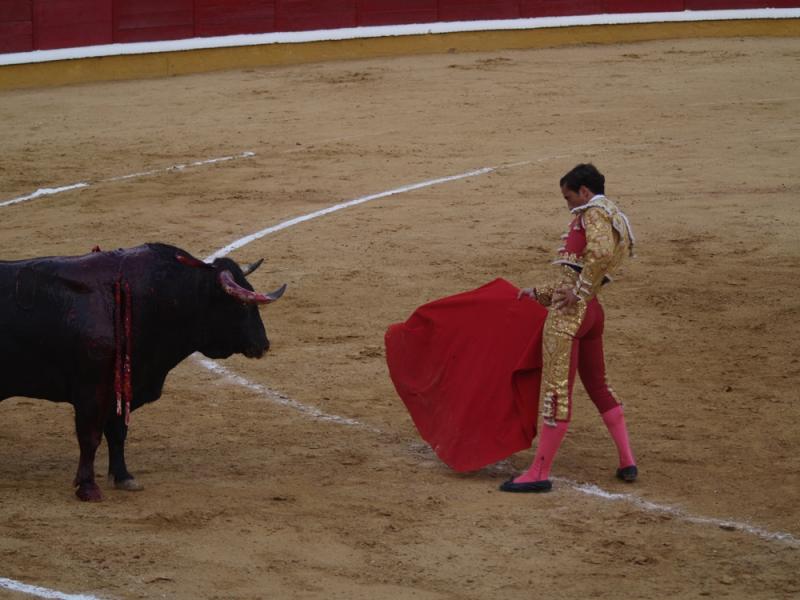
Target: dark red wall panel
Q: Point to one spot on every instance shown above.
(70, 23)
(396, 12)
(643, 6)
(560, 8)
(16, 25)
(150, 20)
(228, 17)
(475, 10)
(722, 4)
(304, 15)
(15, 11)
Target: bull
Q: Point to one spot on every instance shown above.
(103, 330)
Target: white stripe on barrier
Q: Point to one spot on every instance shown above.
(349, 33)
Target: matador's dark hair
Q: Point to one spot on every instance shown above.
(584, 174)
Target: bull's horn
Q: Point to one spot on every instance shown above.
(244, 295)
(252, 267)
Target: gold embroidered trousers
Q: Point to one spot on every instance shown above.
(573, 342)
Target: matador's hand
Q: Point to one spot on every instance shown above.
(564, 299)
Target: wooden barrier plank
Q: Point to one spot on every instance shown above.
(16, 37)
(560, 8)
(230, 17)
(476, 10)
(396, 12)
(305, 15)
(644, 6)
(726, 4)
(151, 20)
(70, 23)
(16, 25)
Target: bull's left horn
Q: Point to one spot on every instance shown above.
(252, 267)
(234, 289)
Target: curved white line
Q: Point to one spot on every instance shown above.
(84, 184)
(593, 490)
(279, 398)
(315, 413)
(336, 207)
(45, 192)
(274, 395)
(41, 592)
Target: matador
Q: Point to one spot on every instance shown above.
(598, 239)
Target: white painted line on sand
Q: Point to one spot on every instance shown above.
(593, 490)
(315, 413)
(45, 192)
(277, 397)
(84, 184)
(180, 167)
(41, 592)
(336, 207)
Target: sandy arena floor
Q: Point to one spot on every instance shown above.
(247, 498)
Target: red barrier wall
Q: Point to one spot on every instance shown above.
(478, 10)
(44, 24)
(397, 12)
(67, 23)
(16, 25)
(305, 15)
(226, 17)
(151, 20)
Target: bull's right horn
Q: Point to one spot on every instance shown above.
(244, 295)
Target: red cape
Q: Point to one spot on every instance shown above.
(468, 368)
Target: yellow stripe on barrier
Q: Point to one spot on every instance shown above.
(164, 64)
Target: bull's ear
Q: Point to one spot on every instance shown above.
(252, 267)
(191, 261)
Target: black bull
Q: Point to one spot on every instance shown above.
(102, 331)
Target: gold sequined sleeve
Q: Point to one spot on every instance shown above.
(599, 252)
(544, 293)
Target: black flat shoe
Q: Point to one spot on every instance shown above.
(628, 474)
(530, 487)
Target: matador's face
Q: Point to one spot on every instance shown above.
(575, 199)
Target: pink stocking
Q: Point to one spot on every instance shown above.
(615, 421)
(549, 441)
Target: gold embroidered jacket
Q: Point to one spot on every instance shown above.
(598, 239)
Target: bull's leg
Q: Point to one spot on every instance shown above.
(89, 436)
(118, 475)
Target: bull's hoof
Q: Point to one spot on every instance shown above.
(89, 492)
(128, 485)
